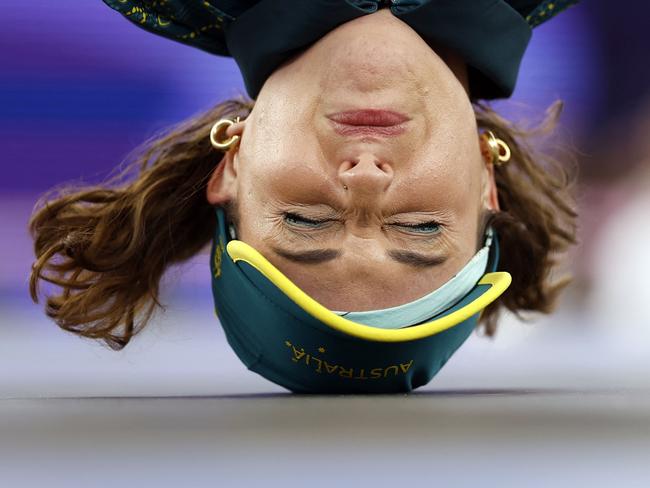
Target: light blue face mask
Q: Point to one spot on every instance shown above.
(432, 304)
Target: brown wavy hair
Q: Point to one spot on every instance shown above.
(105, 248)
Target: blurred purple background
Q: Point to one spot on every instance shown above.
(80, 87)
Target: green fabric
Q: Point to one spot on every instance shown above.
(491, 35)
(277, 339)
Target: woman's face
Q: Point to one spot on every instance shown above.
(358, 216)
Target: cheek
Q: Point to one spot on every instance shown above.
(456, 145)
(277, 151)
(451, 179)
(281, 119)
(290, 182)
(283, 166)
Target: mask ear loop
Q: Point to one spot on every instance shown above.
(229, 230)
(489, 233)
(232, 232)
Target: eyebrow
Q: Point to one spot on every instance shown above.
(317, 256)
(416, 259)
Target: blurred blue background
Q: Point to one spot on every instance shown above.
(80, 87)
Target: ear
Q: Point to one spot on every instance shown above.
(490, 191)
(222, 187)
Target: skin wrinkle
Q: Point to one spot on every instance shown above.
(289, 159)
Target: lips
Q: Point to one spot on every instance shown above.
(369, 122)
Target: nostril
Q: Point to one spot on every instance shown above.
(347, 166)
(386, 168)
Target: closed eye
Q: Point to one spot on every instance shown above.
(421, 228)
(301, 221)
(296, 220)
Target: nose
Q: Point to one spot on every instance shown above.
(366, 175)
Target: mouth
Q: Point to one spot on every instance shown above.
(369, 122)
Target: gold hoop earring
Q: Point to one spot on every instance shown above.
(499, 149)
(216, 132)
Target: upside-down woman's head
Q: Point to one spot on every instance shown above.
(359, 217)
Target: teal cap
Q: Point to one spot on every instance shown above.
(290, 339)
(491, 35)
